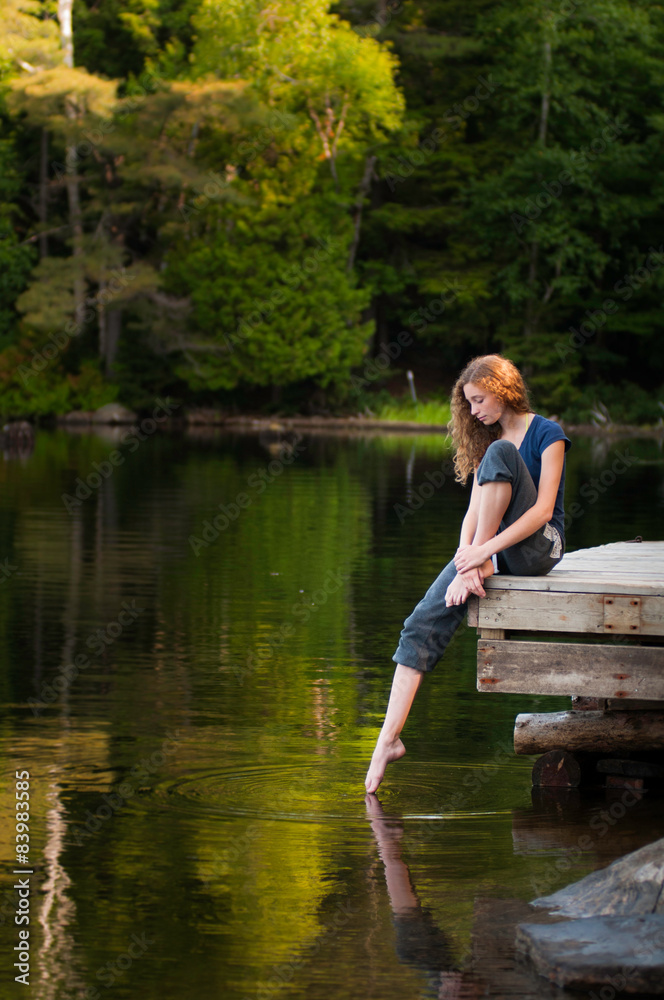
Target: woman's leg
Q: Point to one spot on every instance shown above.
(495, 498)
(389, 747)
(424, 638)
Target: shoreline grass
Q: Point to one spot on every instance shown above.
(431, 411)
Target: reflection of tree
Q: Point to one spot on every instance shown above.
(419, 940)
(57, 960)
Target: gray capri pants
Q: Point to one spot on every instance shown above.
(428, 630)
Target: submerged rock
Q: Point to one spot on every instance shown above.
(76, 417)
(617, 940)
(628, 887)
(114, 413)
(204, 416)
(625, 954)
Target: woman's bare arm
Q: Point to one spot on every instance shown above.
(471, 581)
(536, 517)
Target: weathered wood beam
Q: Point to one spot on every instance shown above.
(593, 732)
(594, 670)
(553, 611)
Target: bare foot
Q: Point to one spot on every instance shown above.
(386, 751)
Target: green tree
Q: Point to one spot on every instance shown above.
(272, 279)
(574, 201)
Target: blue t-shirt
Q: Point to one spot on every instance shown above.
(540, 434)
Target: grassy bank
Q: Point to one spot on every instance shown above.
(432, 411)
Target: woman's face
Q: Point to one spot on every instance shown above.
(484, 405)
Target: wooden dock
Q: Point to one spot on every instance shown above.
(592, 629)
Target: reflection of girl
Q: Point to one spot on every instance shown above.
(514, 522)
(419, 941)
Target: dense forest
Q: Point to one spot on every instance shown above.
(283, 206)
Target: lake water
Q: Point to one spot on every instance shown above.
(197, 632)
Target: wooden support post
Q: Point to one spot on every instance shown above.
(557, 768)
(492, 633)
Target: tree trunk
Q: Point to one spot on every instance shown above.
(43, 193)
(113, 331)
(101, 323)
(71, 175)
(546, 94)
(66, 31)
(363, 191)
(532, 313)
(76, 225)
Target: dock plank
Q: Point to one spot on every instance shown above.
(556, 611)
(618, 568)
(594, 670)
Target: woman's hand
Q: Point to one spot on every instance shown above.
(469, 557)
(462, 586)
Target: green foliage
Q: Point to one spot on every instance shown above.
(485, 177)
(273, 302)
(15, 256)
(606, 404)
(26, 391)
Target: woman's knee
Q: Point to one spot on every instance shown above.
(502, 449)
(499, 463)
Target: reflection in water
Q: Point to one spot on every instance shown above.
(198, 778)
(18, 440)
(419, 940)
(57, 962)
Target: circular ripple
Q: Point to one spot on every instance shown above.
(328, 791)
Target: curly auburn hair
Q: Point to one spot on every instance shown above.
(497, 375)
